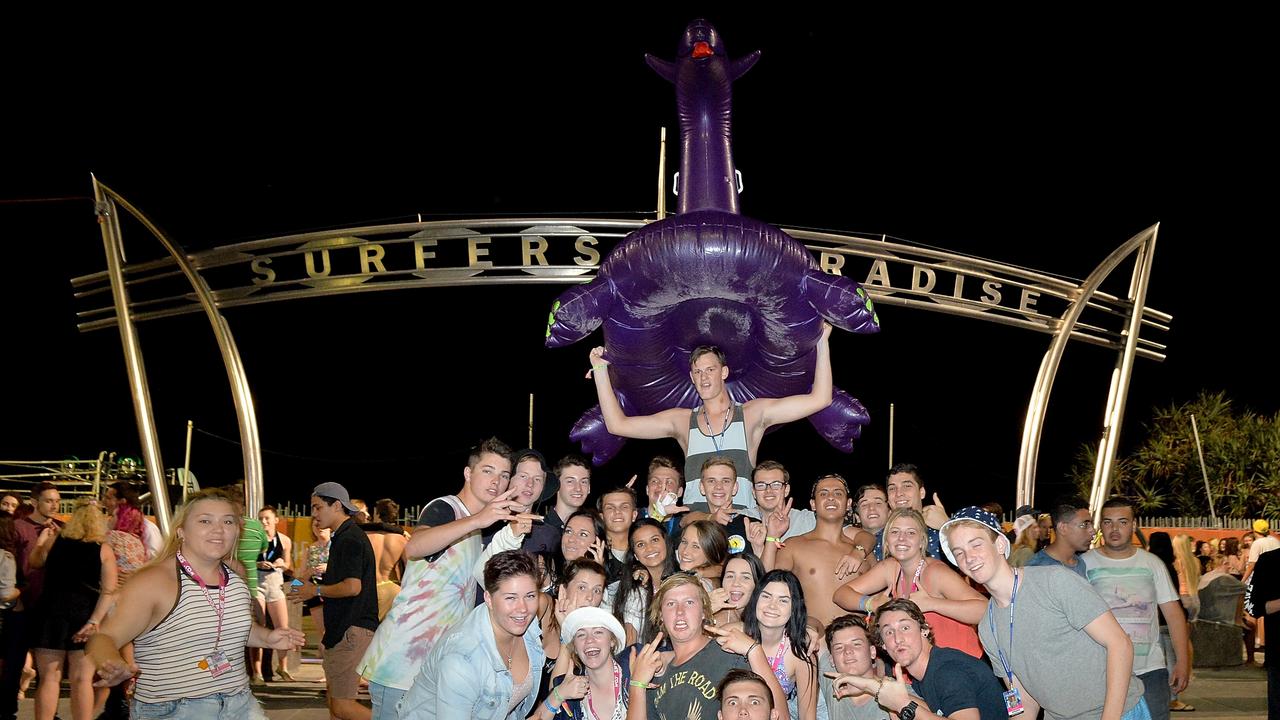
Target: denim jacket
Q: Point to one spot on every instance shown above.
(465, 677)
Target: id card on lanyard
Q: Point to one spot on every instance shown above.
(1012, 700)
(216, 662)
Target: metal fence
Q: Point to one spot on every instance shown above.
(408, 513)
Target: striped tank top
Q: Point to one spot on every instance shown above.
(167, 655)
(730, 442)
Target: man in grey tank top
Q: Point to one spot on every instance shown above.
(719, 426)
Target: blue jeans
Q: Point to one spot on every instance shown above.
(386, 701)
(1155, 690)
(218, 705)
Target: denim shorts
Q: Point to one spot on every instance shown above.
(231, 706)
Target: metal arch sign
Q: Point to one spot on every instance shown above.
(569, 250)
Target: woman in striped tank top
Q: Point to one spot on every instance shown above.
(187, 614)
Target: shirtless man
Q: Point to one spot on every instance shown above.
(388, 540)
(725, 428)
(813, 557)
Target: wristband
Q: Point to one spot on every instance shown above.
(318, 593)
(753, 647)
(865, 604)
(772, 539)
(599, 367)
(547, 703)
(637, 683)
(559, 698)
(876, 696)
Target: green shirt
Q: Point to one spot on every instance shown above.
(253, 540)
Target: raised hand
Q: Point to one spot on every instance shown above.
(647, 663)
(720, 600)
(779, 521)
(574, 687)
(935, 515)
(724, 515)
(598, 550)
(733, 640)
(522, 523)
(500, 508)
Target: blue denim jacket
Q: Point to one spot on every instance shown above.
(465, 677)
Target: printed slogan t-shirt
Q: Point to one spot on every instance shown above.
(688, 691)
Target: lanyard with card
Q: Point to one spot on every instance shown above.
(1012, 700)
(215, 662)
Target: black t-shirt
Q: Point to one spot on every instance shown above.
(437, 512)
(350, 556)
(1263, 587)
(689, 690)
(955, 681)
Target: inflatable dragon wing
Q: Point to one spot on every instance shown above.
(709, 276)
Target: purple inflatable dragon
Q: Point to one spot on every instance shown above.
(709, 276)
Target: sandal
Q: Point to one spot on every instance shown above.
(1179, 706)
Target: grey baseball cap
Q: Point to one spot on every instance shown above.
(337, 492)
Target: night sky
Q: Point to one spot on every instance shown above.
(1022, 149)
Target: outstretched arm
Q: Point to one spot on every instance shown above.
(641, 427)
(776, 411)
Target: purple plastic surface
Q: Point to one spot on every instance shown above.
(709, 276)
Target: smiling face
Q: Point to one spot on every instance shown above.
(719, 484)
(575, 485)
(689, 553)
(738, 580)
(530, 478)
(851, 651)
(830, 499)
(771, 489)
(513, 605)
(904, 539)
(594, 646)
(662, 480)
(977, 554)
(489, 477)
(619, 511)
(584, 589)
(269, 520)
(649, 545)
(579, 534)
(209, 530)
(873, 509)
(773, 608)
(904, 490)
(682, 613)
(902, 636)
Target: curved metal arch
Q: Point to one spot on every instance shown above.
(1144, 244)
(246, 417)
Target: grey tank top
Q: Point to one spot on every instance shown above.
(730, 443)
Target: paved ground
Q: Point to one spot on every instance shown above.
(1235, 694)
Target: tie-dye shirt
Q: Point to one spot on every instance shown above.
(436, 593)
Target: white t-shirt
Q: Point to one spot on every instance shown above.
(1135, 588)
(1261, 545)
(152, 538)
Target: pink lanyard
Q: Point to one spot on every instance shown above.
(915, 580)
(617, 692)
(776, 660)
(218, 606)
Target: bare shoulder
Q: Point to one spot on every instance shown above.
(153, 583)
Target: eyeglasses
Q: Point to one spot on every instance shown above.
(769, 486)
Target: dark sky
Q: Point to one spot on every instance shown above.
(1019, 148)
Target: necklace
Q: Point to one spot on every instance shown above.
(728, 417)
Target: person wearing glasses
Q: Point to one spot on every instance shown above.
(719, 426)
(1073, 533)
(771, 484)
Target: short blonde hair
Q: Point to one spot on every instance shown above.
(87, 524)
(679, 579)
